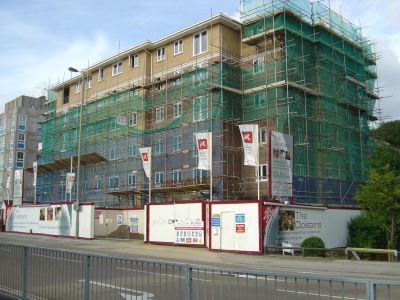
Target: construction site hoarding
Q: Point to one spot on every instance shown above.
(52, 219)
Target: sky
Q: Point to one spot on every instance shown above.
(40, 39)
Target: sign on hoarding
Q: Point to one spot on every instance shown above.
(189, 232)
(216, 220)
(281, 150)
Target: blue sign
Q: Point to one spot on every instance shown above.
(216, 221)
(240, 218)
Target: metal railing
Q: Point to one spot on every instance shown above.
(40, 273)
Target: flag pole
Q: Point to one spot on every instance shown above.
(150, 185)
(211, 168)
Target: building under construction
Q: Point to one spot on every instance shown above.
(290, 66)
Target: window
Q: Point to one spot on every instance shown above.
(160, 114)
(200, 43)
(178, 47)
(158, 147)
(300, 168)
(11, 144)
(176, 143)
(262, 172)
(10, 159)
(113, 153)
(132, 180)
(100, 76)
(160, 54)
(22, 122)
(113, 183)
(97, 184)
(258, 65)
(133, 119)
(134, 60)
(21, 141)
(177, 175)
(259, 99)
(263, 135)
(77, 87)
(299, 135)
(117, 68)
(159, 179)
(200, 108)
(177, 109)
(199, 175)
(20, 160)
(132, 150)
(89, 82)
(2, 126)
(200, 77)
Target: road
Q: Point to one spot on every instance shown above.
(59, 275)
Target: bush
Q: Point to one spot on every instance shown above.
(365, 232)
(313, 242)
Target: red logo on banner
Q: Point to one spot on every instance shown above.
(202, 144)
(145, 157)
(247, 137)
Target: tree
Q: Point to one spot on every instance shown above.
(381, 196)
(389, 133)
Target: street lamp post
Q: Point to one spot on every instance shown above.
(78, 168)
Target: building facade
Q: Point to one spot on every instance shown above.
(289, 66)
(19, 131)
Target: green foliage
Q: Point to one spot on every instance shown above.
(365, 232)
(313, 242)
(381, 196)
(386, 156)
(388, 132)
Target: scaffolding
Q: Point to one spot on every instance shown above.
(300, 69)
(316, 75)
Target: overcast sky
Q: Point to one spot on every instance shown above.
(40, 39)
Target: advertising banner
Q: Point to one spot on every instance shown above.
(204, 148)
(69, 182)
(145, 154)
(281, 149)
(34, 173)
(18, 187)
(249, 134)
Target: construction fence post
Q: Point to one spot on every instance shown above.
(24, 272)
(86, 276)
(371, 290)
(188, 282)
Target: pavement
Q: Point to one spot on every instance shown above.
(202, 256)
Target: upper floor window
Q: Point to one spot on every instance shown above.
(117, 68)
(177, 109)
(200, 108)
(113, 153)
(133, 119)
(160, 114)
(77, 86)
(178, 47)
(160, 54)
(113, 182)
(258, 65)
(89, 82)
(21, 141)
(262, 172)
(263, 135)
(200, 43)
(132, 180)
(100, 76)
(134, 60)
(259, 99)
(159, 179)
(22, 122)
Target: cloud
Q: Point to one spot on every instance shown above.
(32, 71)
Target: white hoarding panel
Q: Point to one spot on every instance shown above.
(235, 227)
(180, 223)
(281, 165)
(51, 219)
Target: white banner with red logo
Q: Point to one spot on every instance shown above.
(204, 148)
(34, 173)
(145, 154)
(70, 182)
(249, 134)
